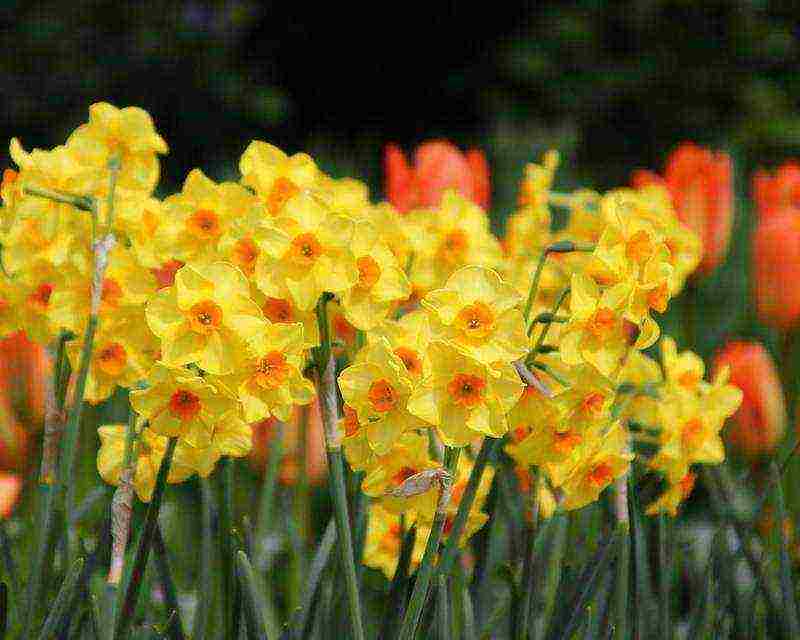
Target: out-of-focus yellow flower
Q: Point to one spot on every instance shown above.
(307, 250)
(378, 387)
(346, 196)
(598, 331)
(35, 288)
(391, 228)
(671, 499)
(198, 216)
(535, 187)
(178, 403)
(230, 436)
(464, 396)
(684, 371)
(205, 317)
(588, 401)
(122, 355)
(477, 311)
(270, 381)
(10, 302)
(279, 308)
(276, 177)
(126, 134)
(139, 220)
(601, 461)
(383, 542)
(454, 235)
(150, 449)
(381, 282)
(636, 406)
(409, 338)
(37, 229)
(357, 449)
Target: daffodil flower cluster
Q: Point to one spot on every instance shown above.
(210, 305)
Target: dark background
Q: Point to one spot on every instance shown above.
(613, 85)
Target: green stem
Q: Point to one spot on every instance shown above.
(62, 606)
(253, 610)
(84, 203)
(425, 571)
(665, 577)
(787, 586)
(623, 559)
(226, 545)
(175, 625)
(326, 388)
(537, 275)
(479, 466)
(126, 609)
(204, 607)
(443, 614)
(546, 329)
(267, 499)
(525, 602)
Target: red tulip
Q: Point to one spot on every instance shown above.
(438, 166)
(774, 194)
(776, 269)
(759, 424)
(699, 183)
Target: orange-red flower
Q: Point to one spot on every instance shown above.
(775, 193)
(776, 269)
(699, 183)
(759, 424)
(438, 166)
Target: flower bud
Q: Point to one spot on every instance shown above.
(438, 166)
(775, 193)
(759, 424)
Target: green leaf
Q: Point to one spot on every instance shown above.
(787, 586)
(62, 606)
(174, 626)
(252, 607)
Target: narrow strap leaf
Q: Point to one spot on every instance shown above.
(62, 606)
(251, 605)
(175, 626)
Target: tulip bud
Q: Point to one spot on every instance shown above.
(776, 269)
(775, 193)
(438, 166)
(759, 424)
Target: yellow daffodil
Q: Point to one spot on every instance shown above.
(270, 380)
(477, 311)
(178, 403)
(306, 249)
(205, 317)
(409, 338)
(279, 308)
(381, 282)
(464, 396)
(149, 451)
(671, 499)
(274, 176)
(129, 136)
(35, 288)
(378, 387)
(230, 436)
(601, 461)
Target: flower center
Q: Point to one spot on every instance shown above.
(687, 484)
(602, 323)
(691, 433)
(476, 320)
(205, 317)
(272, 370)
(658, 298)
(520, 433)
(40, 298)
(402, 475)
(111, 294)
(454, 246)
(639, 247)
(593, 403)
(282, 190)
(165, 274)
(244, 255)
(350, 421)
(342, 329)
(688, 379)
(466, 389)
(390, 542)
(600, 476)
(184, 405)
(369, 272)
(410, 359)
(564, 442)
(204, 224)
(278, 310)
(383, 396)
(112, 358)
(305, 249)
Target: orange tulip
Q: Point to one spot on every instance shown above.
(438, 166)
(776, 268)
(699, 183)
(10, 489)
(774, 194)
(759, 424)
